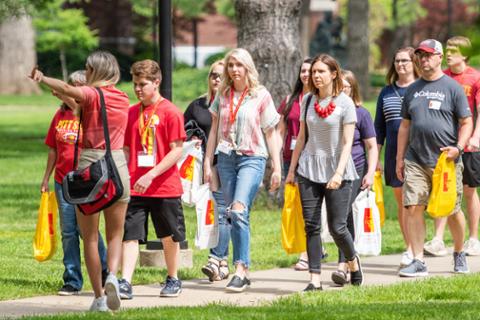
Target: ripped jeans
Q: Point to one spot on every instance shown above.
(240, 178)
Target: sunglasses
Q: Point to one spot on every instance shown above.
(215, 75)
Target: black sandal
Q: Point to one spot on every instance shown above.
(356, 277)
(339, 277)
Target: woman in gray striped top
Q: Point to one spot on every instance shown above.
(325, 166)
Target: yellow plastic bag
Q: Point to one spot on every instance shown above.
(293, 226)
(44, 242)
(378, 189)
(444, 188)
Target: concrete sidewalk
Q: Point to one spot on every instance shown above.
(266, 285)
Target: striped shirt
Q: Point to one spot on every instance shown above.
(389, 106)
(256, 114)
(319, 159)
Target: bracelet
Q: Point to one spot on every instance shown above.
(460, 149)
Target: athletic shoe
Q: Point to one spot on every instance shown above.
(356, 277)
(311, 287)
(460, 262)
(68, 290)
(125, 289)
(112, 291)
(472, 247)
(172, 288)
(99, 304)
(237, 284)
(435, 247)
(407, 258)
(415, 269)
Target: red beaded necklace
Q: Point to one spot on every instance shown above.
(326, 111)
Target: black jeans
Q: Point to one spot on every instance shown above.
(337, 203)
(356, 184)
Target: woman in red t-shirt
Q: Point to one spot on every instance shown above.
(101, 71)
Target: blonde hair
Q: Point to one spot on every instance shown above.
(463, 44)
(244, 57)
(210, 92)
(77, 78)
(148, 69)
(104, 69)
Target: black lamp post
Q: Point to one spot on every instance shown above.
(165, 35)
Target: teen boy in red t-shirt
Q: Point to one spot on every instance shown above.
(153, 144)
(457, 53)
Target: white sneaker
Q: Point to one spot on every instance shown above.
(472, 247)
(112, 291)
(435, 247)
(407, 258)
(99, 304)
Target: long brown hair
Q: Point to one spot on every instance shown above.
(392, 75)
(333, 66)
(354, 87)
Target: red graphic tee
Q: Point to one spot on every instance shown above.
(167, 127)
(62, 136)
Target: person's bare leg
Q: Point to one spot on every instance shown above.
(416, 229)
(401, 214)
(440, 224)
(114, 224)
(171, 249)
(130, 251)
(456, 223)
(473, 210)
(89, 230)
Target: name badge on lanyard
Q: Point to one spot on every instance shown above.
(293, 143)
(146, 158)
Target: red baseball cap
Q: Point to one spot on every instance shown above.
(430, 46)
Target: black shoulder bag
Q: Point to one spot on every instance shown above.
(97, 186)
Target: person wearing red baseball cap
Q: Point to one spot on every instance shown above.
(435, 112)
(457, 54)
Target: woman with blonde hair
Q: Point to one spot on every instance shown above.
(402, 72)
(102, 71)
(216, 268)
(243, 126)
(325, 168)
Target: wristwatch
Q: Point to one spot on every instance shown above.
(460, 149)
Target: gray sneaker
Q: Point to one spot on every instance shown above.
(112, 291)
(415, 269)
(460, 262)
(172, 288)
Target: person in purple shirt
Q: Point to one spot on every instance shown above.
(365, 156)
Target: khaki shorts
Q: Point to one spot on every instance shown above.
(417, 184)
(89, 156)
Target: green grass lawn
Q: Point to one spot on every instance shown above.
(23, 125)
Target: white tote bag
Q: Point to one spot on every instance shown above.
(190, 168)
(207, 219)
(366, 218)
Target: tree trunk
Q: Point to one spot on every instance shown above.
(269, 30)
(358, 45)
(63, 64)
(17, 56)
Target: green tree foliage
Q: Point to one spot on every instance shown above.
(9, 8)
(61, 30)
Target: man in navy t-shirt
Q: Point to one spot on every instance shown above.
(436, 119)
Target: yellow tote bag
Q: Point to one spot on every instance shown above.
(444, 188)
(378, 189)
(44, 242)
(293, 226)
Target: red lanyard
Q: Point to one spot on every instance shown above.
(300, 98)
(233, 113)
(142, 127)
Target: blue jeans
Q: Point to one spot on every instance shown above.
(71, 242)
(240, 177)
(220, 252)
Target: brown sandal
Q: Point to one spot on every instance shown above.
(301, 265)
